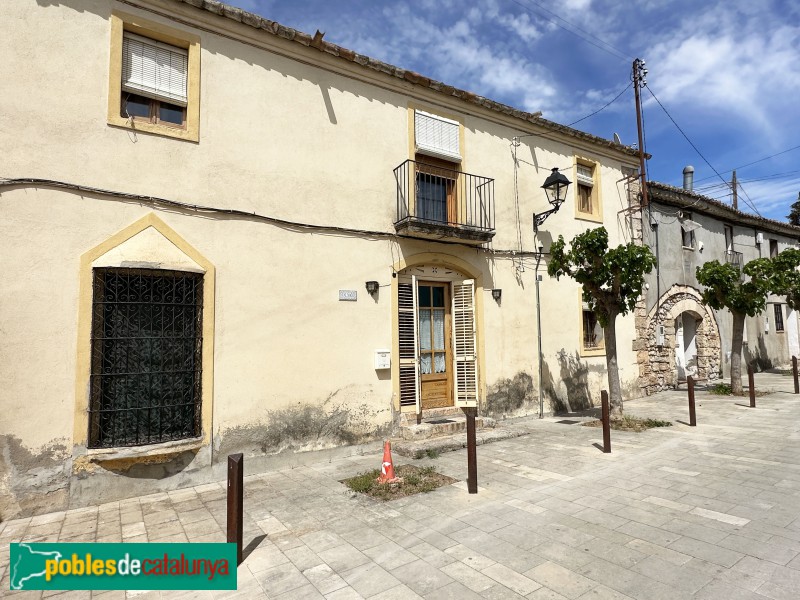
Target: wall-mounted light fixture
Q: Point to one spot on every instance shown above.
(372, 287)
(497, 294)
(555, 187)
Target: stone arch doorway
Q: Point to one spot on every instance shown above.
(681, 338)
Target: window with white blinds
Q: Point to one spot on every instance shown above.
(585, 175)
(436, 136)
(154, 69)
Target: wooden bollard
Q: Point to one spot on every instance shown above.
(472, 452)
(235, 502)
(692, 414)
(752, 386)
(606, 422)
(794, 374)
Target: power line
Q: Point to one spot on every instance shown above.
(754, 162)
(604, 47)
(696, 149)
(200, 209)
(773, 176)
(712, 186)
(617, 97)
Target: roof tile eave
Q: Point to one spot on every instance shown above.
(733, 213)
(256, 21)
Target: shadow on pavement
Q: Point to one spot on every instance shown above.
(247, 550)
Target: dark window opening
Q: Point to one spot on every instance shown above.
(148, 110)
(436, 189)
(592, 331)
(687, 231)
(778, 317)
(584, 198)
(146, 357)
(773, 248)
(728, 238)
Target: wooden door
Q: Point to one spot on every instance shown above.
(435, 346)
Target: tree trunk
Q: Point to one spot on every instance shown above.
(736, 352)
(614, 388)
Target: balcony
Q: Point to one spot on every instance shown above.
(443, 204)
(734, 258)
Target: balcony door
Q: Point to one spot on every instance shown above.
(436, 190)
(435, 347)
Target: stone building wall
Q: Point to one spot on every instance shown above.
(657, 362)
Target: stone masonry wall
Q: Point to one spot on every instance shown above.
(657, 369)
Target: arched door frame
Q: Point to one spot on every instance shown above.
(653, 375)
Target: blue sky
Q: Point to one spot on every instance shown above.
(728, 72)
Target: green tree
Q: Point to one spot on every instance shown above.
(794, 215)
(612, 281)
(725, 287)
(785, 278)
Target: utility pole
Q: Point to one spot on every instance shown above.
(639, 81)
(735, 189)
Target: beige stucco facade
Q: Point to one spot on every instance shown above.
(299, 147)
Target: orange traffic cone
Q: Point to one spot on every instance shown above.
(387, 468)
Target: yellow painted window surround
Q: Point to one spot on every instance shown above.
(84, 355)
(588, 200)
(189, 129)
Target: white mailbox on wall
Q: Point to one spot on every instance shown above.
(383, 359)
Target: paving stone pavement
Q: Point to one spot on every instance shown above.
(706, 512)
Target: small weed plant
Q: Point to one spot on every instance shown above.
(721, 389)
(363, 482)
(724, 389)
(415, 480)
(629, 423)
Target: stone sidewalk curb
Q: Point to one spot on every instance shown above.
(449, 443)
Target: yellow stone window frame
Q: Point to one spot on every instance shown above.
(596, 215)
(83, 367)
(122, 22)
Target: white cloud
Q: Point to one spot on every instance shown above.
(577, 4)
(772, 197)
(455, 53)
(721, 60)
(522, 26)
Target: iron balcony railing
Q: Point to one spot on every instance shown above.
(734, 258)
(437, 197)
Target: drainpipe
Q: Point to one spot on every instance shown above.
(539, 331)
(654, 227)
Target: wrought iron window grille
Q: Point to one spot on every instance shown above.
(146, 366)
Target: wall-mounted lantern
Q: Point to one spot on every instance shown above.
(555, 186)
(372, 287)
(497, 294)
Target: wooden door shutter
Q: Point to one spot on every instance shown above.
(154, 69)
(464, 345)
(408, 346)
